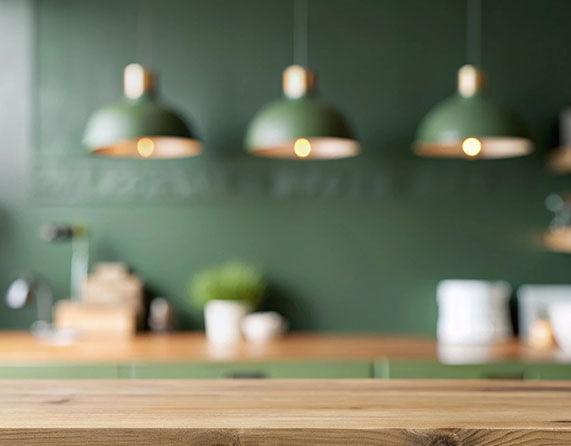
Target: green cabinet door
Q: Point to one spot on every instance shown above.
(549, 371)
(59, 371)
(296, 369)
(436, 370)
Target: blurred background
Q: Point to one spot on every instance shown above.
(346, 245)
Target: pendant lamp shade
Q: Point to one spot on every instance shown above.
(299, 126)
(470, 125)
(138, 126)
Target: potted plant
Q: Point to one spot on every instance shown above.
(227, 293)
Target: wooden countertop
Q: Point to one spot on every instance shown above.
(22, 347)
(285, 412)
(192, 346)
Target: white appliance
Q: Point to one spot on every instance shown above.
(560, 318)
(534, 302)
(473, 312)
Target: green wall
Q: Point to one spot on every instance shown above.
(348, 245)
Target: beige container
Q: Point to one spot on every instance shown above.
(95, 321)
(111, 304)
(111, 284)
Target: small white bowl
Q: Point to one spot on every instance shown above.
(263, 326)
(560, 318)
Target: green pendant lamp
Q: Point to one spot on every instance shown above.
(469, 124)
(138, 126)
(299, 125)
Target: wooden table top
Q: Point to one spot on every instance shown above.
(191, 346)
(285, 412)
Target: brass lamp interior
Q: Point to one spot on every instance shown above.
(310, 148)
(152, 147)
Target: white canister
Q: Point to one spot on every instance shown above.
(222, 319)
(473, 311)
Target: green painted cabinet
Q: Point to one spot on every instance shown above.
(436, 370)
(289, 369)
(59, 371)
(549, 371)
(413, 369)
(381, 368)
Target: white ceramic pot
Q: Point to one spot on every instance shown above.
(222, 319)
(560, 318)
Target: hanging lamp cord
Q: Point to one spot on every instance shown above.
(145, 33)
(474, 32)
(300, 32)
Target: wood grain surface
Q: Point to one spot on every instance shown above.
(300, 412)
(192, 346)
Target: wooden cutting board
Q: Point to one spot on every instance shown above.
(291, 412)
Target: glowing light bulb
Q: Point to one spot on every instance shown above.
(145, 147)
(302, 148)
(471, 146)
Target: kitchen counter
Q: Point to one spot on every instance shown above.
(192, 346)
(284, 412)
(298, 355)
(22, 347)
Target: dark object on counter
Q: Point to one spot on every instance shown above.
(161, 315)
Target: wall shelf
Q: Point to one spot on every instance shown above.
(560, 160)
(558, 239)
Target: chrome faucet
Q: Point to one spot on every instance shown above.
(32, 287)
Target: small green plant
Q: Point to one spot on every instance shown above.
(231, 281)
